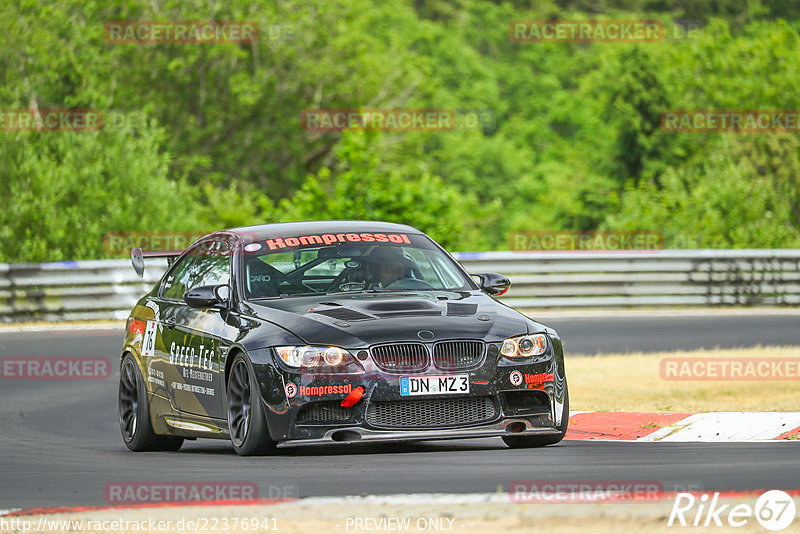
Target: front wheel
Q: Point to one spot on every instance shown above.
(134, 413)
(247, 422)
(524, 442)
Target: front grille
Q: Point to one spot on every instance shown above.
(324, 412)
(401, 357)
(436, 413)
(457, 354)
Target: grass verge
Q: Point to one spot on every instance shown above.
(633, 382)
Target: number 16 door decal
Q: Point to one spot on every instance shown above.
(149, 340)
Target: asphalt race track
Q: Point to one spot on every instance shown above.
(615, 334)
(60, 442)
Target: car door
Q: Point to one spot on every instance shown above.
(197, 339)
(159, 333)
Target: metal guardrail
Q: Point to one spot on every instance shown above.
(73, 290)
(108, 289)
(707, 277)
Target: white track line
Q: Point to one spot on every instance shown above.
(728, 426)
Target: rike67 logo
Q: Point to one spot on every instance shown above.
(774, 510)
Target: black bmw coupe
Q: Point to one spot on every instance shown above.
(326, 332)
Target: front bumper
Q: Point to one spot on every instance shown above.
(507, 385)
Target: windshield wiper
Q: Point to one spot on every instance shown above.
(353, 291)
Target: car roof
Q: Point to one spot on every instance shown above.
(289, 229)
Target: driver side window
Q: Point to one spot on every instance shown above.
(207, 263)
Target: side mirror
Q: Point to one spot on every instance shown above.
(493, 284)
(206, 296)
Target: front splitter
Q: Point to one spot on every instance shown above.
(350, 435)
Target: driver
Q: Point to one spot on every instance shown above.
(387, 265)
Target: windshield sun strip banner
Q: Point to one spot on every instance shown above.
(330, 239)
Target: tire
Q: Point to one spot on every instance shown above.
(134, 412)
(247, 422)
(527, 442)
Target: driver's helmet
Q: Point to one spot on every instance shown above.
(388, 264)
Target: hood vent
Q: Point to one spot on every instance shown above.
(461, 309)
(397, 305)
(344, 314)
(410, 313)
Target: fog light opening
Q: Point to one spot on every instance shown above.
(345, 435)
(516, 428)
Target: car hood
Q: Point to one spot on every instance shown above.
(363, 319)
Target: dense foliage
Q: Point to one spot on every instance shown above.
(569, 139)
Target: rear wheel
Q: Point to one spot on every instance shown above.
(523, 442)
(247, 421)
(134, 413)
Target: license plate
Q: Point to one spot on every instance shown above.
(434, 385)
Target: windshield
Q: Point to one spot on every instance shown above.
(345, 263)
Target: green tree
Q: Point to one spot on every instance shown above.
(63, 192)
(361, 189)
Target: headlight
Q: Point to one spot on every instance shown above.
(308, 356)
(333, 356)
(524, 346)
